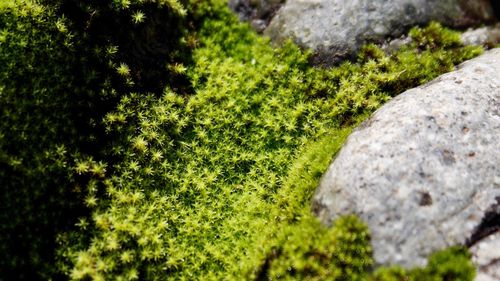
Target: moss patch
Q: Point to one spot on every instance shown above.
(449, 264)
(207, 187)
(216, 185)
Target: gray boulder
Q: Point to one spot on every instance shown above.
(424, 170)
(336, 29)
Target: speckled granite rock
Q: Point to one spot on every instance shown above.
(487, 36)
(336, 29)
(486, 257)
(424, 170)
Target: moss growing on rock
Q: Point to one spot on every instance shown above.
(216, 185)
(449, 264)
(203, 190)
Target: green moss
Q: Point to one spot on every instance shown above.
(45, 113)
(207, 187)
(309, 251)
(55, 87)
(213, 183)
(450, 264)
(139, 45)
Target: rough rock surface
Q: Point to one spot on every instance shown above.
(424, 170)
(486, 257)
(258, 12)
(487, 36)
(336, 29)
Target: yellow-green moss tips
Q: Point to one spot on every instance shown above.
(209, 181)
(218, 202)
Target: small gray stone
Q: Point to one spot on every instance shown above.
(257, 12)
(336, 29)
(486, 36)
(486, 257)
(393, 45)
(424, 170)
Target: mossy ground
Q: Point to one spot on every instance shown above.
(216, 185)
